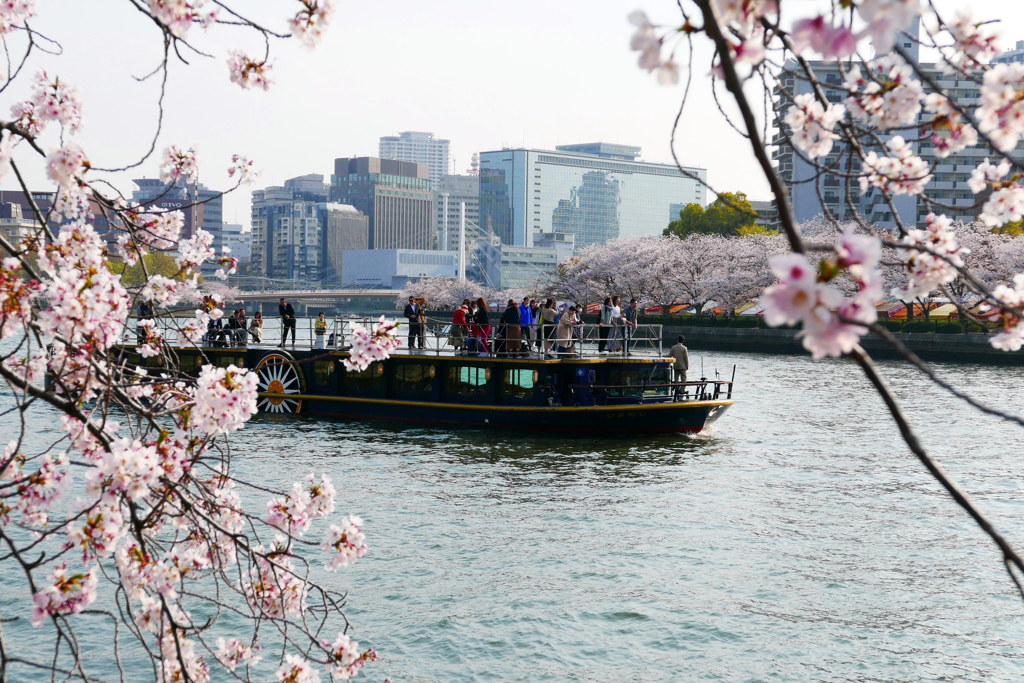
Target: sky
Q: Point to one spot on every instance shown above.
(480, 73)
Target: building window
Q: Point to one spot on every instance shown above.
(366, 381)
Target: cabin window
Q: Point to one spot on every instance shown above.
(224, 360)
(633, 381)
(414, 377)
(519, 383)
(468, 380)
(323, 371)
(190, 363)
(366, 381)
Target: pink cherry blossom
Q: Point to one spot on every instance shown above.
(66, 594)
(248, 72)
(885, 18)
(66, 164)
(889, 98)
(975, 42)
(902, 173)
(812, 125)
(297, 670)
(231, 652)
(951, 133)
(310, 21)
(934, 259)
(14, 14)
(344, 658)
(16, 294)
(821, 36)
(347, 542)
(371, 345)
(223, 399)
(177, 15)
(179, 164)
(1001, 111)
(243, 168)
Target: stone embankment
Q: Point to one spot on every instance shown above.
(954, 348)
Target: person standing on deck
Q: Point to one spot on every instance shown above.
(629, 316)
(525, 322)
(320, 330)
(682, 361)
(412, 313)
(287, 314)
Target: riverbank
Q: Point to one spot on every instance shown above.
(960, 348)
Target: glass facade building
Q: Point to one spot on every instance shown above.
(594, 191)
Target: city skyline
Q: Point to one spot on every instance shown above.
(535, 75)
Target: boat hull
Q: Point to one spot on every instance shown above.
(680, 417)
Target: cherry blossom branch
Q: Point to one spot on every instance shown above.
(1010, 555)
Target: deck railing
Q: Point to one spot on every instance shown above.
(581, 340)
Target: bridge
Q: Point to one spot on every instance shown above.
(312, 301)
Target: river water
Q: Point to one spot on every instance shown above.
(796, 540)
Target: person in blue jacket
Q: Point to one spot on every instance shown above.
(526, 322)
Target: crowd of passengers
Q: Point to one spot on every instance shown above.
(533, 327)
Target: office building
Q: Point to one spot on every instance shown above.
(396, 196)
(238, 240)
(298, 235)
(395, 268)
(1013, 55)
(14, 225)
(452, 192)
(593, 191)
(419, 148)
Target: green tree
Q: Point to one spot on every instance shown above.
(727, 215)
(157, 263)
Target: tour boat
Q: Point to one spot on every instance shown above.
(583, 391)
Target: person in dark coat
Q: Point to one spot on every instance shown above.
(412, 313)
(511, 329)
(287, 314)
(482, 325)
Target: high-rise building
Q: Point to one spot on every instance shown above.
(201, 206)
(811, 190)
(397, 197)
(452, 192)
(297, 234)
(593, 191)
(238, 240)
(14, 226)
(419, 148)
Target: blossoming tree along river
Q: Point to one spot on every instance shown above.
(892, 106)
(136, 500)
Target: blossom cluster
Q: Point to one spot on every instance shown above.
(890, 97)
(1001, 111)
(932, 257)
(1010, 315)
(902, 173)
(223, 399)
(179, 164)
(812, 125)
(14, 13)
(344, 658)
(310, 21)
(249, 72)
(371, 345)
(974, 42)
(951, 133)
(832, 323)
(346, 541)
(295, 512)
(1005, 202)
(66, 593)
